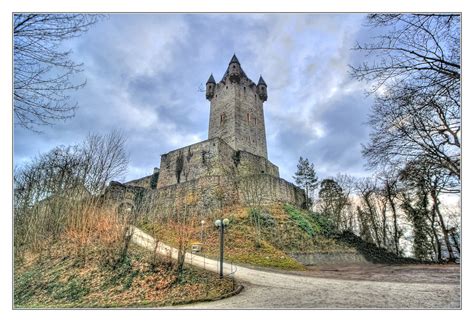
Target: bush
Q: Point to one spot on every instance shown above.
(263, 218)
(326, 226)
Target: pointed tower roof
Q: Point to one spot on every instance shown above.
(261, 81)
(234, 60)
(211, 80)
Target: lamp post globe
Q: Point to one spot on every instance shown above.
(202, 230)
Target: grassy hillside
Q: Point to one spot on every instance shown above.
(58, 279)
(284, 229)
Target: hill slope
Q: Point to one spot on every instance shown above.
(60, 280)
(265, 238)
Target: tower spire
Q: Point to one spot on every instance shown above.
(210, 87)
(211, 80)
(262, 89)
(234, 60)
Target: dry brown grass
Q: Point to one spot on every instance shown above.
(56, 280)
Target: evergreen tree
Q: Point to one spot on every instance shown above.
(305, 178)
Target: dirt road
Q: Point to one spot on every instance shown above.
(265, 289)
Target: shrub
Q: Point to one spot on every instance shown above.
(263, 218)
(326, 226)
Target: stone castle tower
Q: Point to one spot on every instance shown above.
(233, 159)
(237, 110)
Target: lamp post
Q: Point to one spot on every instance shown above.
(221, 224)
(202, 230)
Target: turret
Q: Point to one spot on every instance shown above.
(262, 89)
(210, 87)
(234, 70)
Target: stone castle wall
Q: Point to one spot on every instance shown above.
(209, 194)
(206, 193)
(212, 157)
(269, 189)
(214, 191)
(144, 182)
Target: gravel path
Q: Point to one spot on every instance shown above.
(264, 289)
(272, 290)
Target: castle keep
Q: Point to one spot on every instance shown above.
(232, 165)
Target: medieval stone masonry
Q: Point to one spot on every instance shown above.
(230, 167)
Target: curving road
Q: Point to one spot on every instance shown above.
(264, 289)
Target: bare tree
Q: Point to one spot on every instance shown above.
(415, 72)
(405, 129)
(391, 193)
(57, 190)
(105, 157)
(44, 73)
(424, 48)
(369, 216)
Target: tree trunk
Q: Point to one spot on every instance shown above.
(456, 243)
(437, 244)
(384, 225)
(434, 196)
(396, 237)
(372, 219)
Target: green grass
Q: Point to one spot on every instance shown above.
(301, 220)
(285, 229)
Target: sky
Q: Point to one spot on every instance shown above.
(144, 72)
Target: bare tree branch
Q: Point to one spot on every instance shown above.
(44, 74)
